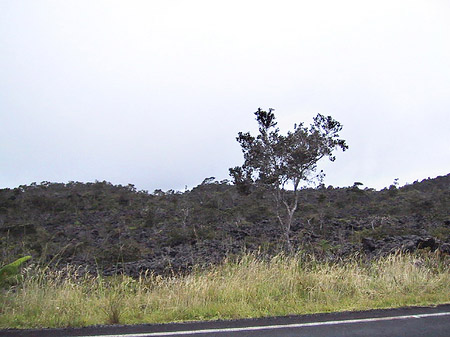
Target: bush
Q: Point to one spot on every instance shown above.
(10, 272)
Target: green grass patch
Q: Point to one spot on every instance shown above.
(249, 287)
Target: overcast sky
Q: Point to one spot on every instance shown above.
(153, 93)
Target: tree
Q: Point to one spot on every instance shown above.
(276, 162)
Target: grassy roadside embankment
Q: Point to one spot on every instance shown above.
(247, 288)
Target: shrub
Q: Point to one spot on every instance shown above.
(10, 272)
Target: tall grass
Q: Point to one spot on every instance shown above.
(249, 287)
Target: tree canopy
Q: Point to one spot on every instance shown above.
(274, 161)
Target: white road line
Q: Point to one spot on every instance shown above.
(271, 327)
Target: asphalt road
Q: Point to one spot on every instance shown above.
(411, 322)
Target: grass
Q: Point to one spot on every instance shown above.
(249, 287)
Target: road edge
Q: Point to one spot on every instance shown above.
(96, 330)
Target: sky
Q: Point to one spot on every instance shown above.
(154, 93)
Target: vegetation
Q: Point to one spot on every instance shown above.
(111, 254)
(273, 161)
(101, 226)
(247, 287)
(10, 272)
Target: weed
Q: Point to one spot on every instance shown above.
(10, 272)
(246, 287)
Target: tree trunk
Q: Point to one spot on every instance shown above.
(287, 229)
(286, 222)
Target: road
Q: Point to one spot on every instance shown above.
(411, 322)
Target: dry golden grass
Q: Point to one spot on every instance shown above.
(249, 287)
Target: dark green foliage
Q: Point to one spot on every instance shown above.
(101, 225)
(272, 159)
(274, 162)
(177, 236)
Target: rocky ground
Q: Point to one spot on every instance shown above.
(107, 228)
